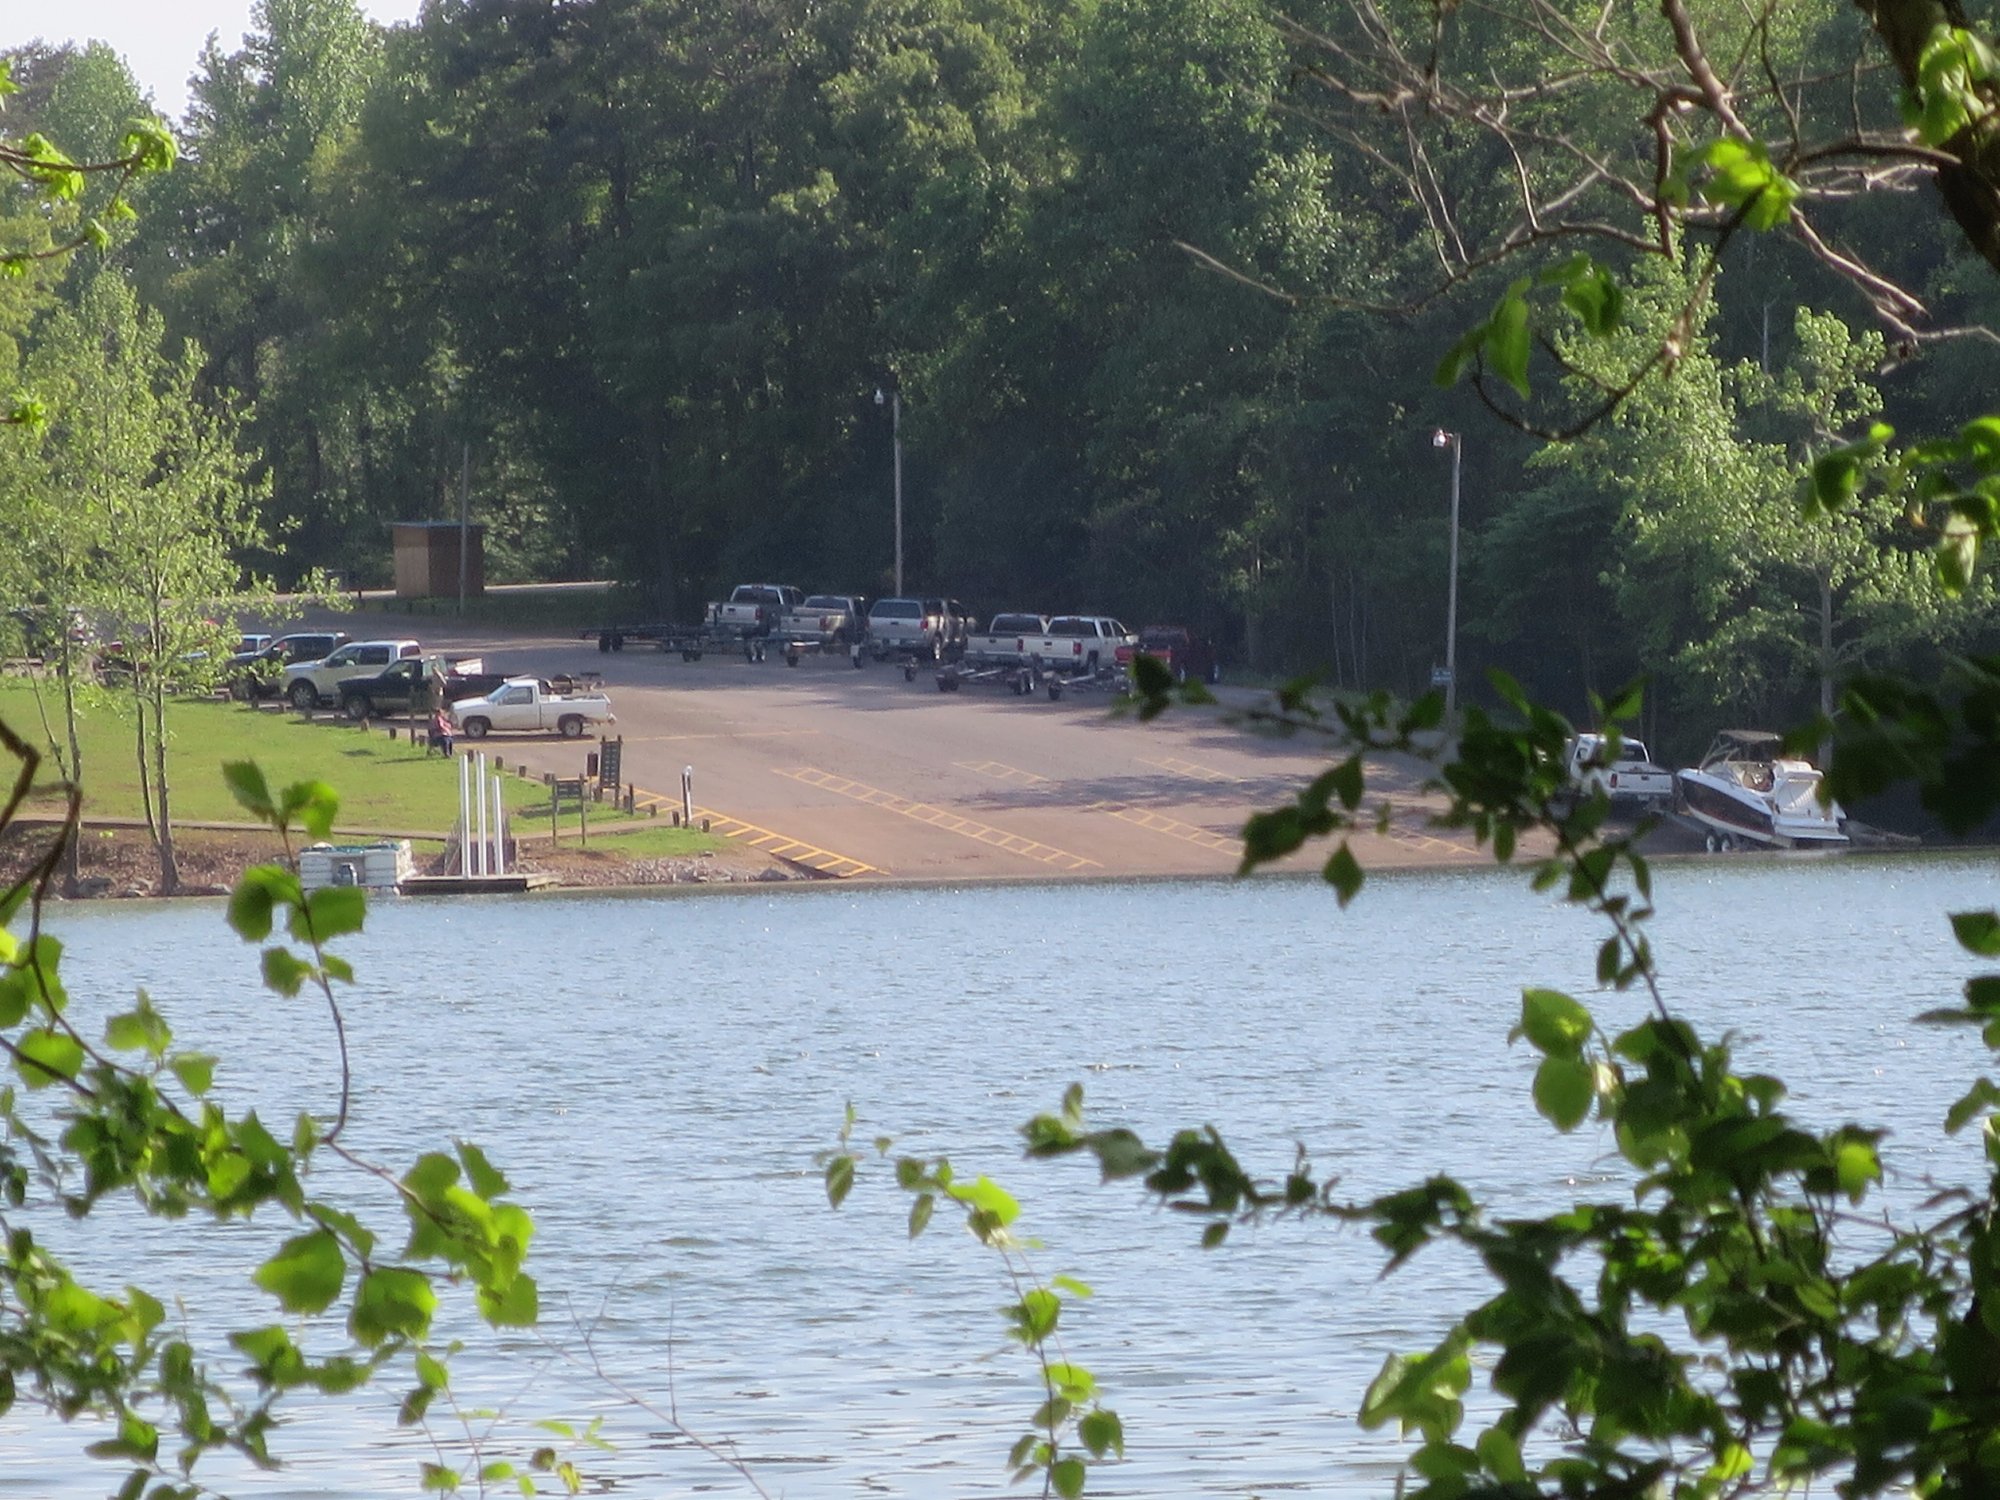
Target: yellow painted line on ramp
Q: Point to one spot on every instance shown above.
(1001, 772)
(780, 845)
(1193, 770)
(1171, 827)
(939, 817)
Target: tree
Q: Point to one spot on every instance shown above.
(57, 180)
(136, 504)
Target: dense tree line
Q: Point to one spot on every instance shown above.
(640, 266)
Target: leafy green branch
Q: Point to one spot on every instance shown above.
(1736, 1325)
(140, 1119)
(1071, 1430)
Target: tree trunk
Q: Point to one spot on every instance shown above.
(170, 870)
(1826, 662)
(1970, 185)
(145, 773)
(72, 864)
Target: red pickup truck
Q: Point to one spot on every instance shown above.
(1185, 654)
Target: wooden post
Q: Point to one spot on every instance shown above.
(555, 836)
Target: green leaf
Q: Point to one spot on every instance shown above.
(391, 1301)
(1101, 1432)
(1500, 1452)
(1553, 1023)
(1066, 1475)
(987, 1196)
(1507, 342)
(251, 791)
(1980, 1098)
(486, 1179)
(195, 1070)
(839, 1179)
(261, 890)
(1344, 873)
(920, 1213)
(1977, 932)
(1451, 369)
(1856, 1165)
(314, 804)
(138, 1030)
(1564, 1089)
(284, 971)
(335, 911)
(516, 1305)
(47, 1056)
(306, 1274)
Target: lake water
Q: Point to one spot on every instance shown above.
(656, 1074)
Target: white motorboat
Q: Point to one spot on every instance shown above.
(1747, 793)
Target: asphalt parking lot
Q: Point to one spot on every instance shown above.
(861, 774)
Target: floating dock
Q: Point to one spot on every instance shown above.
(509, 884)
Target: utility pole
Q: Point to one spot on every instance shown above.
(895, 400)
(464, 520)
(1442, 439)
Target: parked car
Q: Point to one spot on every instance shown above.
(929, 628)
(1629, 777)
(528, 703)
(260, 674)
(405, 684)
(753, 611)
(1084, 643)
(1009, 640)
(833, 620)
(309, 684)
(1186, 655)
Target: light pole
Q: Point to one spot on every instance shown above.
(895, 403)
(1443, 439)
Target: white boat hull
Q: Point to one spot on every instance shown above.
(1788, 815)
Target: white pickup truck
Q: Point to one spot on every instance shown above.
(528, 703)
(1630, 777)
(1007, 641)
(1087, 644)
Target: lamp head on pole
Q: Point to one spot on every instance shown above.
(880, 399)
(1439, 439)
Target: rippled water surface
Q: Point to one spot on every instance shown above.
(656, 1074)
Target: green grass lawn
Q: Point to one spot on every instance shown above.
(650, 840)
(382, 783)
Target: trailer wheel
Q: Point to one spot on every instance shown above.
(570, 726)
(909, 671)
(476, 727)
(1055, 690)
(791, 658)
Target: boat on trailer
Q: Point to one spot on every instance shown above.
(1747, 793)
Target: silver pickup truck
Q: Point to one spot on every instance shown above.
(831, 620)
(752, 611)
(928, 629)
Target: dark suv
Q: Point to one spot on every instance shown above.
(256, 674)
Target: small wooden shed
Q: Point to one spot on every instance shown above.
(427, 559)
